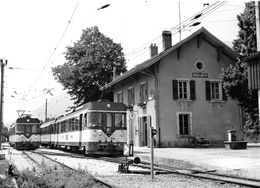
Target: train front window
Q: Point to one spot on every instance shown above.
(94, 119)
(109, 120)
(27, 128)
(19, 129)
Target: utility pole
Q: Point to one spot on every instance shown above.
(46, 110)
(257, 21)
(3, 64)
(180, 18)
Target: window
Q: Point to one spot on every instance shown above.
(183, 89)
(120, 96)
(131, 96)
(214, 86)
(214, 91)
(144, 92)
(120, 120)
(108, 120)
(27, 128)
(20, 129)
(94, 119)
(77, 123)
(184, 123)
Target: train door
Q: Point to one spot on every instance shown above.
(143, 129)
(80, 128)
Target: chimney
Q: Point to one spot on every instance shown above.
(153, 50)
(167, 40)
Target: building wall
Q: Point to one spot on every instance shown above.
(208, 119)
(134, 116)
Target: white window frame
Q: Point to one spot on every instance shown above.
(120, 93)
(219, 90)
(181, 80)
(141, 85)
(178, 123)
(133, 95)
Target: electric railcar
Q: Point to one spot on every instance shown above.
(96, 128)
(25, 133)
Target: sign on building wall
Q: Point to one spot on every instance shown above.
(199, 75)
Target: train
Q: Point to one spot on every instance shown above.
(24, 133)
(96, 128)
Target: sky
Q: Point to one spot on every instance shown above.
(34, 35)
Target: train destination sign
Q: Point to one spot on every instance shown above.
(199, 75)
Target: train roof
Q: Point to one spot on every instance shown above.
(27, 119)
(46, 124)
(96, 106)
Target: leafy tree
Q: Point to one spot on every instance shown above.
(89, 63)
(235, 77)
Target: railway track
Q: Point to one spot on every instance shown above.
(38, 158)
(243, 181)
(209, 175)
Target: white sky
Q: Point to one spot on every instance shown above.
(31, 29)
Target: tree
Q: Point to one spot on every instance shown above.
(90, 63)
(235, 77)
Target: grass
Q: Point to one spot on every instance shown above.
(51, 178)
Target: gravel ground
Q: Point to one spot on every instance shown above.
(107, 172)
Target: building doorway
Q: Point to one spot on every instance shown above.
(143, 127)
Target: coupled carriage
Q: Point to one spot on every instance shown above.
(96, 128)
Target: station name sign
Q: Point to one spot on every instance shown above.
(199, 75)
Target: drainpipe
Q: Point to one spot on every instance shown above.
(156, 106)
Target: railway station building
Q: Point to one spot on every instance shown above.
(179, 93)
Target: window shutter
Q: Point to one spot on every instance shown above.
(207, 87)
(224, 95)
(175, 89)
(192, 90)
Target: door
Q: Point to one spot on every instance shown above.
(144, 132)
(80, 129)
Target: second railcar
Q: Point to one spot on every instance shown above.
(25, 133)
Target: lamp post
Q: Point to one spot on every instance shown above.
(3, 64)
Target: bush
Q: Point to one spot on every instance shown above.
(52, 178)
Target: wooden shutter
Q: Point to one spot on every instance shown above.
(207, 88)
(175, 89)
(192, 90)
(224, 95)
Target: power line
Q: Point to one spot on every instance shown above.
(55, 49)
(181, 26)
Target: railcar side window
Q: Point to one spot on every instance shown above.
(19, 129)
(77, 123)
(109, 120)
(94, 119)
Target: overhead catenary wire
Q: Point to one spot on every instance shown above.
(54, 50)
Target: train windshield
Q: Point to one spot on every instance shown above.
(97, 119)
(19, 129)
(94, 119)
(35, 128)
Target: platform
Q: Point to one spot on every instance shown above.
(246, 161)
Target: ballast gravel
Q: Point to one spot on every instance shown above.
(108, 172)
